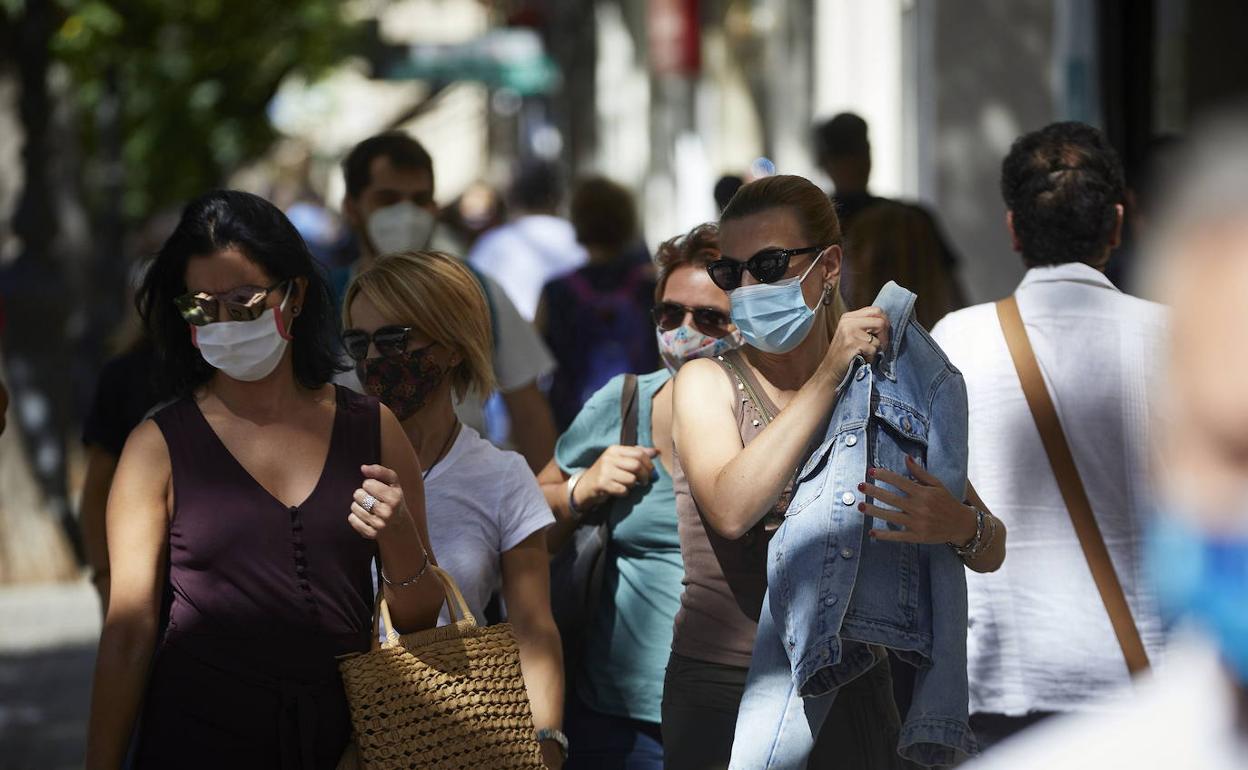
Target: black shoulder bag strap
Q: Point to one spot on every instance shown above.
(628, 437)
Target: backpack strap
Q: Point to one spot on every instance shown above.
(1074, 495)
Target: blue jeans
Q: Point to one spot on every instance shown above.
(777, 728)
(600, 741)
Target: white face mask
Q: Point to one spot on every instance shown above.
(402, 226)
(244, 350)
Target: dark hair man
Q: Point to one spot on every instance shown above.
(390, 207)
(1040, 639)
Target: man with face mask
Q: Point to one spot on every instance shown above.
(389, 205)
(1195, 713)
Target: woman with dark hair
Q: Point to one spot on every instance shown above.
(248, 513)
(614, 707)
(596, 319)
(745, 424)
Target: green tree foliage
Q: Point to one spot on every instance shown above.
(192, 79)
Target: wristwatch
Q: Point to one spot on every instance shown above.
(552, 734)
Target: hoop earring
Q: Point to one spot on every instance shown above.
(294, 310)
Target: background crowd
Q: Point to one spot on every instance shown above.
(743, 498)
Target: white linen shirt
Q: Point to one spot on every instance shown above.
(1039, 637)
(1183, 717)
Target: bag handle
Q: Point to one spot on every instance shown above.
(1074, 495)
(456, 605)
(629, 411)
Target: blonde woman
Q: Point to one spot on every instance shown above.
(418, 328)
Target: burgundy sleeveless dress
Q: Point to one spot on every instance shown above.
(261, 597)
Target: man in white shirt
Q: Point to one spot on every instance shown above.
(536, 246)
(390, 207)
(1194, 712)
(1039, 639)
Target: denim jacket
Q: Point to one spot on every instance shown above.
(834, 591)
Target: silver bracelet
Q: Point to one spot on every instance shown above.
(973, 548)
(410, 581)
(575, 479)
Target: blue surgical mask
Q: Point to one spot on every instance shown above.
(773, 317)
(1203, 577)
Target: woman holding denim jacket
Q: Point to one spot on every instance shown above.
(743, 426)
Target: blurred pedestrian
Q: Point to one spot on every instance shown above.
(478, 210)
(615, 703)
(912, 239)
(390, 207)
(419, 332)
(1098, 350)
(536, 246)
(744, 425)
(895, 241)
(725, 188)
(251, 509)
(1194, 713)
(596, 320)
(843, 151)
(124, 395)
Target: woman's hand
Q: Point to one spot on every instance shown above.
(614, 474)
(862, 332)
(929, 513)
(388, 513)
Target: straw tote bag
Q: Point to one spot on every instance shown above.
(447, 698)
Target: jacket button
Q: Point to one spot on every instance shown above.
(848, 498)
(829, 600)
(847, 553)
(851, 440)
(862, 372)
(906, 425)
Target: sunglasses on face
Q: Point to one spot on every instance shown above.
(245, 303)
(708, 320)
(767, 266)
(390, 341)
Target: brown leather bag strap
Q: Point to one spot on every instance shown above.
(1071, 485)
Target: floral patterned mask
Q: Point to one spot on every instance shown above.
(402, 382)
(684, 344)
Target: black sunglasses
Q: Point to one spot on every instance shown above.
(767, 266)
(390, 341)
(708, 320)
(244, 303)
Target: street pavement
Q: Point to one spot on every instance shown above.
(47, 651)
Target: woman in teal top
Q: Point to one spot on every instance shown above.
(615, 706)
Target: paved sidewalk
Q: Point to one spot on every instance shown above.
(47, 653)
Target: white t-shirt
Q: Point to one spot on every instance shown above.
(525, 254)
(1183, 717)
(1039, 638)
(480, 502)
